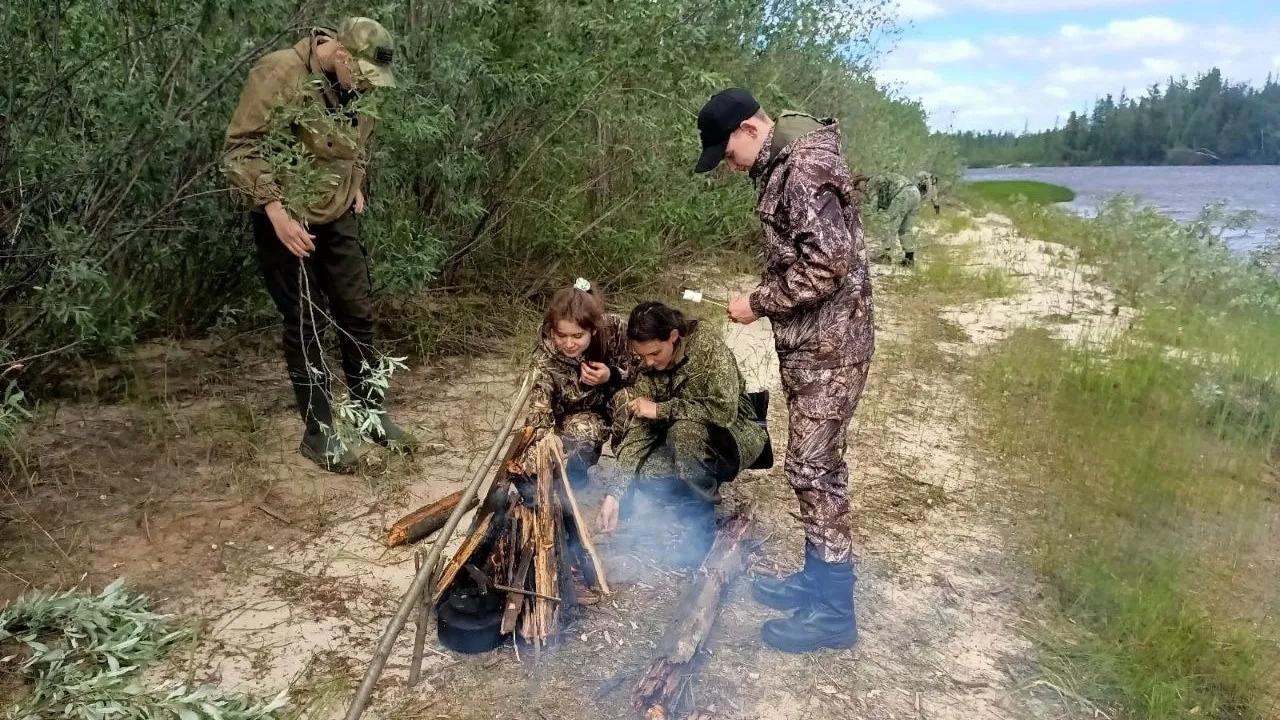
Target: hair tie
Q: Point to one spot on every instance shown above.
(582, 284)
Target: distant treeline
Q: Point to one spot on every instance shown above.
(1210, 120)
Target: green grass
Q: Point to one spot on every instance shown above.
(1147, 492)
(952, 270)
(1150, 462)
(1003, 191)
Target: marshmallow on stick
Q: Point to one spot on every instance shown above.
(696, 296)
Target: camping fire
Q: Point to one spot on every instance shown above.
(514, 571)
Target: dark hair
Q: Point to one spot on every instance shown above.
(584, 308)
(655, 321)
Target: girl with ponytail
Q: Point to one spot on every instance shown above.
(582, 362)
(691, 428)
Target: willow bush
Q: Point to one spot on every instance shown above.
(529, 142)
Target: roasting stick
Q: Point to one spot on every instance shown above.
(697, 296)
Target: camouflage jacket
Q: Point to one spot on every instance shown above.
(816, 286)
(927, 182)
(704, 385)
(882, 189)
(557, 391)
(288, 97)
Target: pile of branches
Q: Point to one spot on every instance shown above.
(82, 657)
(526, 542)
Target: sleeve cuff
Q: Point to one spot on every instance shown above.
(756, 306)
(615, 377)
(664, 410)
(615, 482)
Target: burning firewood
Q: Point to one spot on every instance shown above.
(658, 692)
(529, 536)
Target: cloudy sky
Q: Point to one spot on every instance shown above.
(1010, 64)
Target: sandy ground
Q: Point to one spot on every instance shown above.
(292, 583)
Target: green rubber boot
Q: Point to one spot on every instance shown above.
(319, 443)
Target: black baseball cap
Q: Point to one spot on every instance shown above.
(717, 120)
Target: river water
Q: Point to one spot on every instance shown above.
(1179, 192)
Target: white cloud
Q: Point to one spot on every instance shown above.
(1024, 7)
(942, 53)
(994, 111)
(1077, 74)
(1161, 66)
(934, 8)
(919, 9)
(1120, 34)
(956, 97)
(1004, 81)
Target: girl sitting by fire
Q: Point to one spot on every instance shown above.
(581, 364)
(692, 425)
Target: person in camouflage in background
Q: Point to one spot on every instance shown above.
(581, 363)
(927, 184)
(899, 199)
(816, 290)
(302, 103)
(691, 425)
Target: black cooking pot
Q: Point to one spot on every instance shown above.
(469, 621)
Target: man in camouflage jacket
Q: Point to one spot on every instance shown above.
(899, 199)
(296, 150)
(927, 184)
(816, 291)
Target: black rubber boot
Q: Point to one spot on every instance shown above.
(792, 592)
(828, 622)
(385, 433)
(319, 443)
(579, 457)
(909, 260)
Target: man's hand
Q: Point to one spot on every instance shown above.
(740, 310)
(359, 207)
(607, 517)
(593, 373)
(292, 234)
(643, 408)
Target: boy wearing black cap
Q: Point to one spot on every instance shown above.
(816, 291)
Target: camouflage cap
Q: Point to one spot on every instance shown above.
(372, 48)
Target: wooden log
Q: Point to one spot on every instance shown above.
(515, 602)
(543, 620)
(461, 557)
(661, 688)
(427, 519)
(584, 533)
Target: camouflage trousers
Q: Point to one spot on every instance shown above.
(820, 404)
(583, 435)
(692, 457)
(899, 221)
(336, 278)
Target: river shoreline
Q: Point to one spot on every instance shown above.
(1180, 192)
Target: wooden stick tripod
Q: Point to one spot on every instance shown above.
(540, 611)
